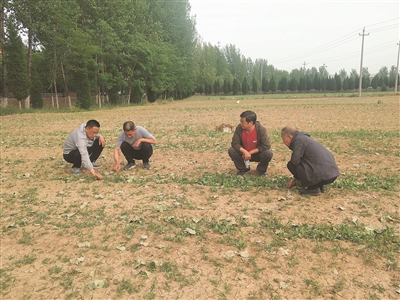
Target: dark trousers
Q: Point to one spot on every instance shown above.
(293, 169)
(263, 158)
(145, 152)
(75, 157)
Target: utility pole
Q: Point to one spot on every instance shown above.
(261, 91)
(304, 68)
(397, 71)
(362, 53)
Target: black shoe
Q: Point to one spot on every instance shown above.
(241, 173)
(262, 174)
(96, 165)
(311, 192)
(129, 166)
(323, 189)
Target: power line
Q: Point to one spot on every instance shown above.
(336, 43)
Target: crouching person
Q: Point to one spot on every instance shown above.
(84, 144)
(135, 142)
(311, 163)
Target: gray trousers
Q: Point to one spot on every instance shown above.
(263, 158)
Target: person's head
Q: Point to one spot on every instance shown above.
(92, 128)
(287, 134)
(129, 129)
(248, 119)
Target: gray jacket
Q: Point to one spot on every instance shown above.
(313, 161)
(79, 140)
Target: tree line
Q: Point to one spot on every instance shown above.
(102, 49)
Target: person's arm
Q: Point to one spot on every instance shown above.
(297, 153)
(237, 139)
(264, 143)
(117, 165)
(102, 141)
(144, 140)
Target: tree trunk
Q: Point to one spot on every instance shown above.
(4, 101)
(52, 97)
(55, 77)
(4, 66)
(27, 102)
(66, 86)
(98, 96)
(28, 99)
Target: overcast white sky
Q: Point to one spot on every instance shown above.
(290, 33)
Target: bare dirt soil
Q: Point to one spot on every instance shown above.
(189, 228)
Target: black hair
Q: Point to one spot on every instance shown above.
(250, 116)
(92, 123)
(128, 126)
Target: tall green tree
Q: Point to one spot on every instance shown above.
(272, 85)
(245, 86)
(254, 86)
(17, 79)
(235, 86)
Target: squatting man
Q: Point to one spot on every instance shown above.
(135, 142)
(250, 142)
(311, 163)
(84, 144)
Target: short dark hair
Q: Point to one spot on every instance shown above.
(92, 123)
(128, 126)
(250, 116)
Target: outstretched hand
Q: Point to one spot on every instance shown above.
(291, 183)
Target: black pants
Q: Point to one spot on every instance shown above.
(292, 168)
(263, 158)
(75, 157)
(145, 152)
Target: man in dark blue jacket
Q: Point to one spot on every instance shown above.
(311, 163)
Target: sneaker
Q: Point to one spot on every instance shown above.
(323, 189)
(96, 165)
(146, 166)
(241, 173)
(311, 192)
(129, 166)
(262, 174)
(76, 171)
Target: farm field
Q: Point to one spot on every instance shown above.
(189, 228)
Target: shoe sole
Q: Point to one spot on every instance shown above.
(127, 169)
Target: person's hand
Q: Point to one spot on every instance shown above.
(102, 141)
(291, 183)
(99, 176)
(246, 156)
(117, 167)
(136, 143)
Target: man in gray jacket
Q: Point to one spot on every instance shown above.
(250, 142)
(84, 144)
(311, 163)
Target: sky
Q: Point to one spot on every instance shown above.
(297, 33)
